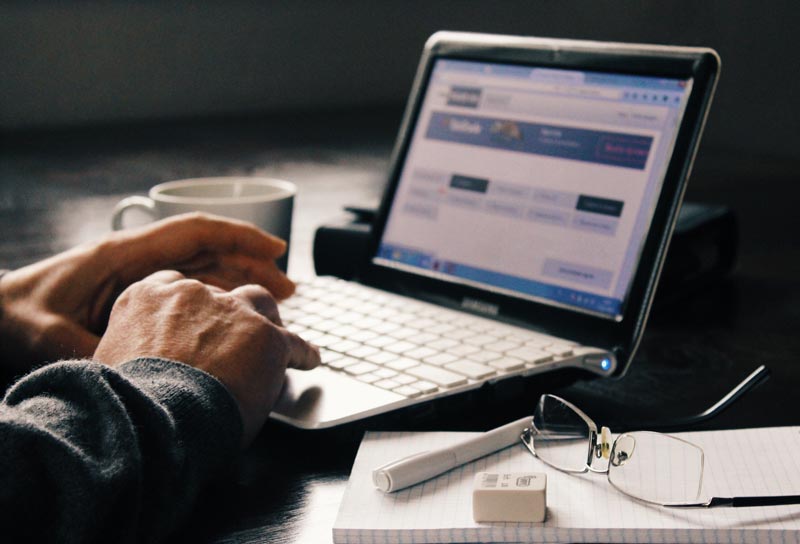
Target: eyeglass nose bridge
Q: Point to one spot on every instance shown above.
(601, 449)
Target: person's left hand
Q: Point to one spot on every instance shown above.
(58, 308)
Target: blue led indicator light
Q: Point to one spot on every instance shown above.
(605, 364)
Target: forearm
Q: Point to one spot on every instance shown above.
(93, 453)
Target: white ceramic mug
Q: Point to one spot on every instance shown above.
(265, 202)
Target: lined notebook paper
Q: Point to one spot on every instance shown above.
(580, 508)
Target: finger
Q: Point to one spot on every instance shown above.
(302, 355)
(164, 276)
(178, 238)
(260, 300)
(232, 270)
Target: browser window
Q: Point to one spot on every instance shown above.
(534, 182)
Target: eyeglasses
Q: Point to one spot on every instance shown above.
(652, 467)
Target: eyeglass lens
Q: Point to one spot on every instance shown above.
(656, 467)
(562, 436)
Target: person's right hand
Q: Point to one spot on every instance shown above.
(235, 336)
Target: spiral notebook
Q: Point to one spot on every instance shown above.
(582, 508)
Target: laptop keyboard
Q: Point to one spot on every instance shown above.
(410, 347)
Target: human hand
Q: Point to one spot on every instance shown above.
(235, 336)
(59, 307)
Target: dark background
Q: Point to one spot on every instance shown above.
(100, 61)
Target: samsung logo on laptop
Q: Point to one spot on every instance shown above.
(480, 306)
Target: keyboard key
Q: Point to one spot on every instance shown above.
(385, 313)
(402, 364)
(502, 346)
(437, 375)
(423, 338)
(480, 339)
(443, 344)
(295, 328)
(362, 352)
(360, 368)
(530, 355)
(381, 357)
(471, 370)
(344, 346)
(326, 340)
(387, 384)
(312, 307)
(288, 315)
(400, 347)
(362, 336)
(404, 379)
(351, 304)
(327, 325)
(507, 363)
(441, 328)
(559, 350)
(343, 331)
(423, 323)
(368, 378)
(366, 308)
(484, 356)
(385, 373)
(328, 356)
(294, 302)
(332, 297)
(420, 353)
(348, 318)
(384, 327)
(425, 387)
(308, 320)
(537, 342)
(403, 304)
(380, 341)
(309, 335)
(341, 364)
(401, 319)
(329, 312)
(403, 333)
(429, 311)
(462, 350)
(458, 334)
(440, 359)
(367, 322)
(481, 326)
(407, 391)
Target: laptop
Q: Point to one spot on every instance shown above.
(532, 193)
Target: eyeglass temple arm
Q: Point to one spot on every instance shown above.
(739, 502)
(757, 377)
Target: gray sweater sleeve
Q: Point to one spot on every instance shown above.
(89, 453)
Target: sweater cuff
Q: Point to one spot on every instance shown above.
(199, 403)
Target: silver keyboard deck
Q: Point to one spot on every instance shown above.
(410, 347)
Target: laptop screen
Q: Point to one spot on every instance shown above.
(537, 183)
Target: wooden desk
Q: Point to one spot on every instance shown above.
(58, 188)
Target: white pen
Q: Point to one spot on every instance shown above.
(421, 466)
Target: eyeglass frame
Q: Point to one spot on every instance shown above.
(596, 449)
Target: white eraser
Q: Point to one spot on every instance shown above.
(519, 496)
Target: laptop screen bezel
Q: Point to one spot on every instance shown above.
(621, 336)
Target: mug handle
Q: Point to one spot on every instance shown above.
(142, 202)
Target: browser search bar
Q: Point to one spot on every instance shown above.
(574, 108)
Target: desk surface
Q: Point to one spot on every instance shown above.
(57, 189)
